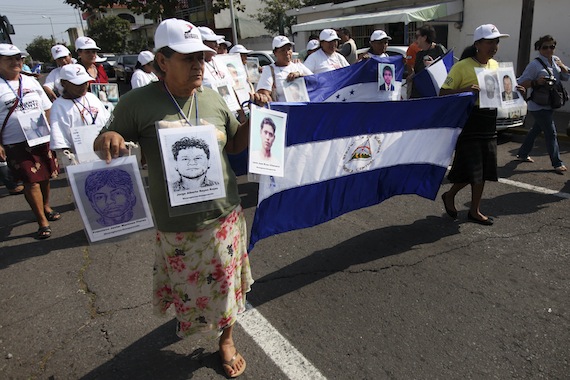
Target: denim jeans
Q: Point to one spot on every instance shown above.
(542, 122)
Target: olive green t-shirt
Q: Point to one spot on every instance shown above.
(134, 118)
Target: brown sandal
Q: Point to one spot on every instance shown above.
(229, 365)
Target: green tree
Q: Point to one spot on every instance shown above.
(110, 33)
(40, 49)
(274, 18)
(155, 10)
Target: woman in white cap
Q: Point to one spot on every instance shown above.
(201, 260)
(23, 99)
(87, 52)
(327, 58)
(270, 85)
(76, 107)
(144, 70)
(475, 159)
(213, 72)
(312, 46)
(52, 85)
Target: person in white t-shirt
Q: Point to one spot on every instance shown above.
(284, 69)
(76, 107)
(326, 58)
(52, 85)
(213, 71)
(144, 72)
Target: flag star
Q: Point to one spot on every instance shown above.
(338, 96)
(351, 92)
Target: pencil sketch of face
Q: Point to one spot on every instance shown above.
(111, 195)
(192, 156)
(490, 86)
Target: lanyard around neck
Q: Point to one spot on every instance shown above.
(20, 91)
(193, 101)
(88, 109)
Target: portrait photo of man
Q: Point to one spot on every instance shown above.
(508, 93)
(387, 77)
(112, 196)
(191, 162)
(490, 86)
(267, 136)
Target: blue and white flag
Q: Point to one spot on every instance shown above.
(341, 157)
(354, 83)
(428, 81)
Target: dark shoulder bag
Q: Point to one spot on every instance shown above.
(551, 94)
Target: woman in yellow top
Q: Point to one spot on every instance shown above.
(475, 159)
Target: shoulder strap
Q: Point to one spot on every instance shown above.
(543, 65)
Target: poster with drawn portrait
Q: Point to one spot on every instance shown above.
(110, 197)
(267, 141)
(296, 91)
(192, 164)
(489, 95)
(35, 127)
(510, 96)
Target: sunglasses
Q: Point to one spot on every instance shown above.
(551, 47)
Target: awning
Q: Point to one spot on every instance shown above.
(405, 15)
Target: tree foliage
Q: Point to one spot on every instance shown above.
(274, 18)
(110, 33)
(40, 49)
(155, 10)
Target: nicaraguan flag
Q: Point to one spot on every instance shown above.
(354, 83)
(429, 81)
(341, 157)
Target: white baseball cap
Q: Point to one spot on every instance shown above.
(179, 35)
(379, 35)
(487, 32)
(313, 44)
(145, 57)
(280, 41)
(100, 59)
(9, 50)
(239, 49)
(75, 74)
(209, 35)
(59, 51)
(224, 42)
(85, 43)
(328, 35)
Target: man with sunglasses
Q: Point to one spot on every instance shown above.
(539, 70)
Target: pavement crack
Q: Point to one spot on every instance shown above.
(84, 286)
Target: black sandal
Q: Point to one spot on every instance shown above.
(53, 216)
(44, 232)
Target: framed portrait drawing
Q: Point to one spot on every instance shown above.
(192, 164)
(110, 198)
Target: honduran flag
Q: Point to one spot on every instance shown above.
(429, 81)
(341, 157)
(355, 83)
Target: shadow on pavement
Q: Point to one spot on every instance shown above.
(145, 359)
(364, 248)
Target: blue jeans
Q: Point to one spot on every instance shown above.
(542, 122)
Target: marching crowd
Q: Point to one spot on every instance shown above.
(201, 260)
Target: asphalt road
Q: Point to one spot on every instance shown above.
(394, 291)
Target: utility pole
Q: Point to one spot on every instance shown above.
(525, 35)
(52, 32)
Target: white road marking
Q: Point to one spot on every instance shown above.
(537, 189)
(293, 364)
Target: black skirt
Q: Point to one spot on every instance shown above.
(475, 159)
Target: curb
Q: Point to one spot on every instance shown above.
(524, 131)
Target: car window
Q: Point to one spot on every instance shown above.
(263, 59)
(130, 60)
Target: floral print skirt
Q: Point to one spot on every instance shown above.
(204, 274)
(31, 164)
